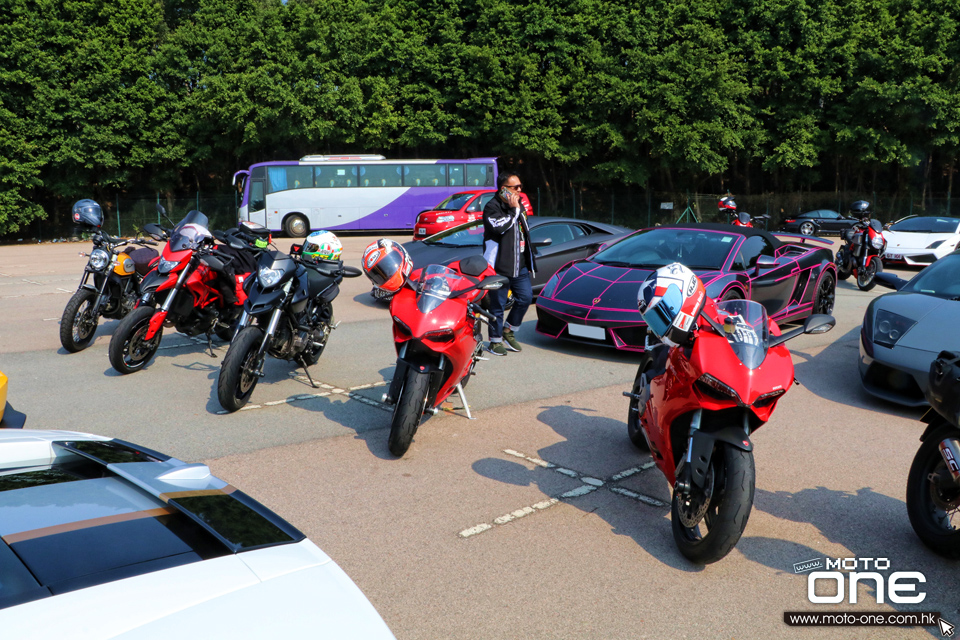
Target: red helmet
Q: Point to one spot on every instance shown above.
(727, 204)
(387, 264)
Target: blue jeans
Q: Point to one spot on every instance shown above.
(522, 296)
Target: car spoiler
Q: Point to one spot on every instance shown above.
(793, 237)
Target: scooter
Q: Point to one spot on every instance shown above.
(436, 329)
(694, 408)
(933, 484)
(860, 254)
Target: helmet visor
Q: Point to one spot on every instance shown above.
(660, 316)
(385, 268)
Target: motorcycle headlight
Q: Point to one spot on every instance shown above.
(877, 241)
(888, 328)
(166, 266)
(99, 259)
(269, 277)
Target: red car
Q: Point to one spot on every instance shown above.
(465, 206)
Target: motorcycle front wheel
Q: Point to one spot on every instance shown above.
(411, 403)
(129, 350)
(238, 374)
(933, 498)
(78, 325)
(634, 430)
(866, 277)
(721, 508)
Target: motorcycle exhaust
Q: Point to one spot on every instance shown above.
(950, 450)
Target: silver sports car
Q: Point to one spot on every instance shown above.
(903, 332)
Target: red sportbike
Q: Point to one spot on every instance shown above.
(436, 328)
(694, 407)
(198, 286)
(744, 219)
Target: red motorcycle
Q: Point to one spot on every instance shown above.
(198, 286)
(694, 406)
(860, 254)
(744, 219)
(436, 328)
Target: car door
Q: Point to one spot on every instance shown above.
(829, 220)
(772, 279)
(568, 241)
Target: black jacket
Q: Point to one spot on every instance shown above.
(501, 240)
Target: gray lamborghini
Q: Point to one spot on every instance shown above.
(903, 332)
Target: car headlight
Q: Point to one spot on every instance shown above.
(269, 277)
(166, 266)
(99, 259)
(551, 286)
(935, 244)
(445, 219)
(877, 241)
(889, 327)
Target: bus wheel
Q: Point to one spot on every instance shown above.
(296, 226)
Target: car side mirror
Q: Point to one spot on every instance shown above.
(766, 262)
(493, 282)
(889, 281)
(819, 323)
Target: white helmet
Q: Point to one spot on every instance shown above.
(669, 301)
(322, 245)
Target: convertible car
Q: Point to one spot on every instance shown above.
(903, 332)
(595, 300)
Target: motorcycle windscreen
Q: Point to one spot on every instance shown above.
(435, 286)
(747, 330)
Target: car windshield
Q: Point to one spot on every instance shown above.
(941, 279)
(435, 286)
(747, 330)
(464, 235)
(927, 224)
(653, 248)
(455, 202)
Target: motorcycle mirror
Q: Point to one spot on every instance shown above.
(154, 230)
(161, 210)
(493, 282)
(890, 281)
(819, 323)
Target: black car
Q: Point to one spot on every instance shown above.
(821, 221)
(556, 241)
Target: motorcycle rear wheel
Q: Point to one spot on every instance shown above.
(411, 404)
(733, 482)
(634, 430)
(238, 374)
(78, 325)
(934, 509)
(129, 351)
(844, 266)
(866, 277)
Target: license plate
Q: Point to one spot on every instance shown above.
(581, 331)
(893, 256)
(421, 232)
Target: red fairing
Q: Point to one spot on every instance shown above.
(674, 394)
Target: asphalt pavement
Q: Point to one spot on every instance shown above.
(537, 519)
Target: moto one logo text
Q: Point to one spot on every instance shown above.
(900, 586)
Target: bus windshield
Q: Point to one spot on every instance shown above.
(361, 193)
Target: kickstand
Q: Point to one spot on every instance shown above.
(210, 346)
(463, 399)
(307, 371)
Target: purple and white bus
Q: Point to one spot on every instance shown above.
(356, 193)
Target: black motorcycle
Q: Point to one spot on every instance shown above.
(110, 287)
(860, 255)
(290, 302)
(933, 485)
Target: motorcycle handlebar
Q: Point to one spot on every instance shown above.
(478, 309)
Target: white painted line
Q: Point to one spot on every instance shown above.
(50, 319)
(472, 531)
(536, 461)
(639, 496)
(592, 481)
(567, 472)
(629, 472)
(32, 282)
(582, 490)
(64, 290)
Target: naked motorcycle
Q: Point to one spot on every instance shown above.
(694, 407)
(933, 484)
(291, 303)
(860, 254)
(436, 329)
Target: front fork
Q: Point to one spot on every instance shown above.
(693, 467)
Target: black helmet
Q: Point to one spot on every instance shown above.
(88, 212)
(860, 207)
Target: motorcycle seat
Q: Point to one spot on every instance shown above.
(475, 265)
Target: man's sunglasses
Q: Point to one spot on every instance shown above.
(515, 187)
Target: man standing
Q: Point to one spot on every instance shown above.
(507, 248)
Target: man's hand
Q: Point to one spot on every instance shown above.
(513, 199)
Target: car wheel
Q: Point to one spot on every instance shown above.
(807, 228)
(733, 294)
(826, 294)
(296, 226)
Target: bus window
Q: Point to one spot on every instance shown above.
(455, 175)
(479, 175)
(380, 175)
(424, 175)
(333, 175)
(257, 202)
(289, 177)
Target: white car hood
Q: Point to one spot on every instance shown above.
(910, 241)
(290, 591)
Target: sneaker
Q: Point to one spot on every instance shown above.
(497, 349)
(511, 341)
